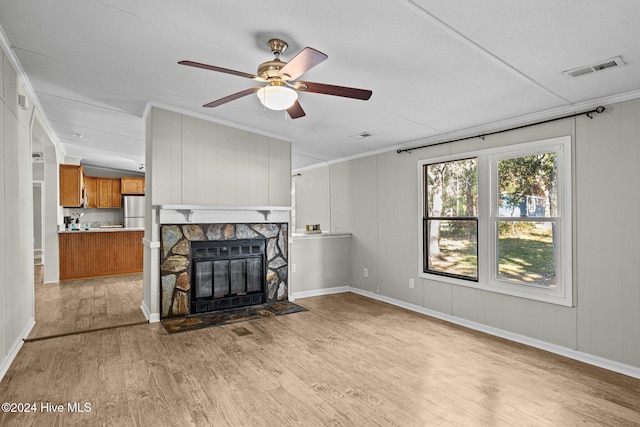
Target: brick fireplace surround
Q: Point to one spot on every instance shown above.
(176, 268)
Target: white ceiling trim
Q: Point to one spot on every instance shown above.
(219, 121)
(492, 127)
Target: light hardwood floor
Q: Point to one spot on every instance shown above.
(348, 361)
(82, 305)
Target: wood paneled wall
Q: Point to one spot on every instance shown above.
(89, 254)
(16, 215)
(196, 162)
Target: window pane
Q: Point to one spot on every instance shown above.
(452, 189)
(526, 253)
(527, 186)
(453, 247)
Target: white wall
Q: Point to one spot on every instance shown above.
(376, 198)
(16, 218)
(313, 198)
(608, 231)
(321, 263)
(196, 162)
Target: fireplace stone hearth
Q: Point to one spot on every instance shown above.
(177, 265)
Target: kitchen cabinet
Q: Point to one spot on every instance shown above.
(71, 186)
(100, 253)
(132, 185)
(109, 195)
(91, 191)
(116, 194)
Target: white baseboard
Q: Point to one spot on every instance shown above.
(151, 317)
(590, 359)
(318, 292)
(6, 362)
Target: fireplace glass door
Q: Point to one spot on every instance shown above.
(227, 274)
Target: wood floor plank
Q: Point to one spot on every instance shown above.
(74, 306)
(348, 361)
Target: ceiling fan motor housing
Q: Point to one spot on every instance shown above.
(269, 70)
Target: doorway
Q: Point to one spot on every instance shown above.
(70, 307)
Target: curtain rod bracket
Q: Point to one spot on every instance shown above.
(598, 110)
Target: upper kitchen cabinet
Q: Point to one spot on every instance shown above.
(102, 192)
(109, 195)
(132, 185)
(71, 186)
(91, 189)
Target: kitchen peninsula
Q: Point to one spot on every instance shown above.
(100, 252)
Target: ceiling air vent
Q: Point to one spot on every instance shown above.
(361, 135)
(590, 69)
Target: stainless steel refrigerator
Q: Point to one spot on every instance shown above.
(133, 211)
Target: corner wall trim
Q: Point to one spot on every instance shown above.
(590, 359)
(151, 317)
(150, 243)
(6, 362)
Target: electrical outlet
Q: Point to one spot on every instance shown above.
(293, 268)
(366, 272)
(412, 284)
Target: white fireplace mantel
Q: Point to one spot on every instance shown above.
(196, 214)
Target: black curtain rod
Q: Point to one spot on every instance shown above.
(589, 113)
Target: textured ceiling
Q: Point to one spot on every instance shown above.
(436, 69)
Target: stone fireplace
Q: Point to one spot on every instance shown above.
(214, 266)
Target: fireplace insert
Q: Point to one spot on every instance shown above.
(227, 274)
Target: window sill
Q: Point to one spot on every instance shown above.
(534, 293)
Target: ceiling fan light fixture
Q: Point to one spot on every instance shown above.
(276, 97)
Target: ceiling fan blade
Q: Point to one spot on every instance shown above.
(347, 92)
(221, 70)
(305, 60)
(231, 97)
(296, 111)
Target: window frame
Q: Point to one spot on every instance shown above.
(426, 218)
(488, 220)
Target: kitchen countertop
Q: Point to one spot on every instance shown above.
(100, 230)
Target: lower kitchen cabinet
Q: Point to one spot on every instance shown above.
(100, 253)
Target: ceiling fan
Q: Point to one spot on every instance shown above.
(281, 91)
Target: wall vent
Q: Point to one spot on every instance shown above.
(37, 157)
(590, 69)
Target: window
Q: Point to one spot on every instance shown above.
(451, 218)
(500, 220)
(526, 219)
